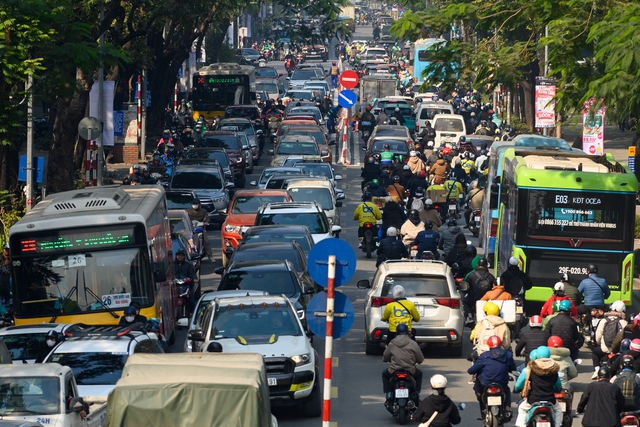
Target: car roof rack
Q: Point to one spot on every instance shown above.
(82, 330)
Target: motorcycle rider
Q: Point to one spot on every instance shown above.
(492, 325)
(496, 293)
(427, 240)
(366, 213)
(480, 281)
(493, 366)
(558, 295)
(515, 280)
(386, 157)
(430, 214)
(183, 268)
(440, 169)
(402, 353)
(631, 332)
(474, 201)
(437, 409)
(370, 171)
(457, 173)
(448, 238)
(570, 290)
(400, 311)
(398, 116)
(367, 120)
(562, 357)
(134, 176)
(565, 327)
(375, 189)
(532, 339)
(594, 291)
(200, 214)
(50, 340)
(395, 189)
(156, 166)
(382, 118)
(411, 227)
(391, 247)
(428, 134)
(147, 179)
(614, 320)
(602, 402)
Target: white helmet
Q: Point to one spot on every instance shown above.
(438, 381)
(618, 306)
(398, 292)
(428, 202)
(558, 287)
(430, 144)
(392, 232)
(513, 261)
(413, 153)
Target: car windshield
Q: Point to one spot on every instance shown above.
(448, 125)
(268, 173)
(254, 323)
(321, 195)
(220, 156)
(230, 142)
(24, 346)
(290, 254)
(390, 110)
(177, 224)
(303, 75)
(249, 113)
(315, 222)
(417, 285)
(266, 72)
(316, 133)
(267, 87)
(93, 368)
(429, 112)
(277, 236)
(305, 111)
(179, 201)
(299, 94)
(251, 204)
(197, 180)
(29, 396)
(286, 148)
(395, 131)
(273, 281)
(395, 146)
(237, 126)
(248, 51)
(315, 169)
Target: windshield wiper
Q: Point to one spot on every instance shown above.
(87, 290)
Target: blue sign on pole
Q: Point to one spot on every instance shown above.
(347, 98)
(341, 324)
(318, 261)
(118, 122)
(37, 164)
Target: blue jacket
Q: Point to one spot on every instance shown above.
(594, 290)
(494, 366)
(427, 240)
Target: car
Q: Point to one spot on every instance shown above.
(428, 109)
(272, 86)
(247, 150)
(230, 141)
(270, 171)
(25, 342)
(195, 322)
(180, 199)
(300, 94)
(430, 285)
(180, 223)
(388, 132)
(290, 106)
(294, 121)
(97, 354)
(204, 156)
(251, 112)
(280, 233)
(396, 147)
(382, 103)
(319, 168)
(319, 190)
(313, 84)
(307, 111)
(407, 114)
(297, 144)
(316, 51)
(318, 135)
(309, 214)
(449, 128)
(301, 75)
(248, 56)
(267, 72)
(479, 140)
(242, 214)
(270, 326)
(239, 124)
(210, 186)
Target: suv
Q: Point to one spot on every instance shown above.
(431, 287)
(309, 214)
(25, 342)
(230, 141)
(267, 325)
(317, 189)
(97, 354)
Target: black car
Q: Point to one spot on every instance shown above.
(179, 199)
(278, 234)
(203, 156)
(395, 146)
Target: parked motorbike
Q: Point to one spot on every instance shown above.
(404, 399)
(540, 415)
(474, 222)
(495, 413)
(183, 286)
(369, 238)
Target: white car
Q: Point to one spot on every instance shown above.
(319, 190)
(270, 326)
(25, 342)
(449, 128)
(309, 214)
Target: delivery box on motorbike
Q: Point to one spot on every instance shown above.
(437, 196)
(187, 388)
(507, 310)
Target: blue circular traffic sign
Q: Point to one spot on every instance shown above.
(318, 324)
(347, 98)
(318, 261)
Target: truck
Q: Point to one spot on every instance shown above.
(377, 86)
(192, 389)
(41, 393)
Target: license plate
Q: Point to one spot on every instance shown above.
(477, 219)
(543, 424)
(519, 310)
(272, 381)
(402, 392)
(563, 405)
(414, 253)
(494, 400)
(452, 207)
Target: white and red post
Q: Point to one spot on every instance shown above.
(328, 343)
(139, 112)
(175, 97)
(91, 171)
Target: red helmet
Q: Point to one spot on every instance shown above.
(554, 342)
(422, 174)
(535, 321)
(445, 151)
(494, 342)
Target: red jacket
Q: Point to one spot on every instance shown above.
(547, 308)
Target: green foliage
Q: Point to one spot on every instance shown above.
(226, 54)
(11, 210)
(637, 229)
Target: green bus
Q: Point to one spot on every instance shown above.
(559, 211)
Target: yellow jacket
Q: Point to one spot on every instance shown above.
(400, 311)
(367, 212)
(453, 189)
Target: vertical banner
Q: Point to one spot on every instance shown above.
(108, 89)
(545, 105)
(593, 129)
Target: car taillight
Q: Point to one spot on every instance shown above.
(368, 225)
(380, 301)
(493, 390)
(449, 302)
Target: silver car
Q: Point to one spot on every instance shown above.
(431, 287)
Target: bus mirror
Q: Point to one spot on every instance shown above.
(159, 273)
(493, 200)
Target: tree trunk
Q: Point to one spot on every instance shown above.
(8, 167)
(61, 171)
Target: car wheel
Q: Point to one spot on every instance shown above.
(312, 407)
(371, 348)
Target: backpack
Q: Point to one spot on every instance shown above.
(611, 328)
(483, 284)
(482, 337)
(626, 380)
(516, 285)
(418, 204)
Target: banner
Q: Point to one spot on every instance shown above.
(592, 129)
(544, 103)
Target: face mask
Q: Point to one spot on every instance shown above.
(129, 318)
(195, 206)
(51, 343)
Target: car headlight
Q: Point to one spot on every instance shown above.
(232, 228)
(218, 199)
(302, 359)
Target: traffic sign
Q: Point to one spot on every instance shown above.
(349, 79)
(343, 317)
(318, 265)
(347, 98)
(90, 128)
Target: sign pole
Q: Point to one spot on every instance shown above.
(328, 344)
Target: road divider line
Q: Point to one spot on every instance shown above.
(335, 362)
(334, 392)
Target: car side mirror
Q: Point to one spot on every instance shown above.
(246, 147)
(335, 230)
(288, 78)
(340, 196)
(363, 284)
(196, 335)
(324, 153)
(463, 286)
(229, 185)
(183, 323)
(270, 152)
(253, 183)
(219, 270)
(337, 177)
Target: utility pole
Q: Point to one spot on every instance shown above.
(30, 182)
(101, 107)
(545, 131)
(143, 115)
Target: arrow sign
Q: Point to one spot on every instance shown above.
(349, 79)
(347, 98)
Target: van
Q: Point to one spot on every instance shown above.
(449, 128)
(428, 109)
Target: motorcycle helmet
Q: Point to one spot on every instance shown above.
(618, 306)
(624, 345)
(371, 160)
(592, 268)
(422, 174)
(419, 192)
(398, 292)
(412, 153)
(375, 181)
(428, 203)
(556, 306)
(6, 246)
(396, 178)
(392, 232)
(397, 110)
(136, 167)
(428, 225)
(558, 287)
(402, 329)
(462, 139)
(513, 261)
(565, 277)
(470, 251)
(430, 144)
(180, 252)
(533, 355)
(482, 262)
(554, 341)
(535, 322)
(366, 196)
(438, 381)
(494, 342)
(491, 309)
(565, 305)
(413, 213)
(386, 147)
(604, 372)
(543, 352)
(130, 311)
(626, 361)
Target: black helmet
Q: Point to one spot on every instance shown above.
(565, 277)
(482, 262)
(627, 361)
(471, 251)
(130, 311)
(52, 334)
(604, 372)
(452, 221)
(180, 252)
(413, 213)
(402, 329)
(371, 160)
(592, 268)
(396, 178)
(386, 147)
(428, 225)
(462, 139)
(366, 196)
(195, 202)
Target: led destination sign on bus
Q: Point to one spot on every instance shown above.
(223, 80)
(78, 241)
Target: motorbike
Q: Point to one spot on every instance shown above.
(274, 122)
(565, 399)
(198, 229)
(474, 222)
(404, 399)
(366, 130)
(495, 413)
(370, 236)
(589, 328)
(452, 210)
(183, 286)
(521, 317)
(540, 415)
